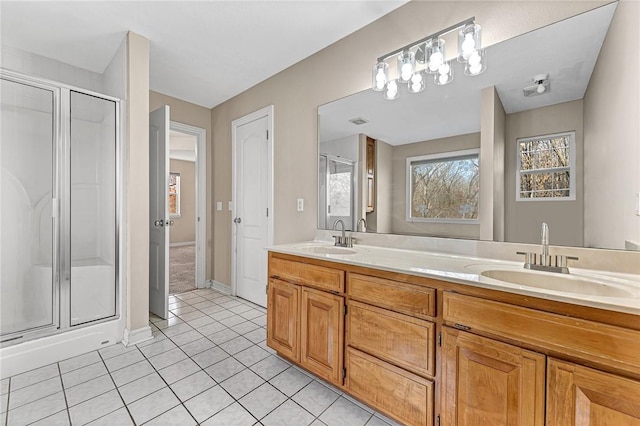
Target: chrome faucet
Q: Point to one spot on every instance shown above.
(545, 259)
(364, 224)
(545, 263)
(342, 240)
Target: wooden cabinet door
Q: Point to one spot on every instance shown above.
(485, 382)
(322, 334)
(283, 316)
(580, 396)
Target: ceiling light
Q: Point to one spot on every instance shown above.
(430, 53)
(541, 85)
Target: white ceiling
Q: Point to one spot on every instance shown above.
(567, 50)
(204, 52)
(182, 146)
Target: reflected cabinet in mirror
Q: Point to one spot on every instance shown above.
(493, 156)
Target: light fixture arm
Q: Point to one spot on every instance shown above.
(436, 35)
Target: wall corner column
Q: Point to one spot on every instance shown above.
(137, 187)
(492, 145)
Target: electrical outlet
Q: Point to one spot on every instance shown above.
(219, 206)
(300, 204)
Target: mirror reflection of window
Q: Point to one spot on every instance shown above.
(545, 167)
(443, 187)
(174, 194)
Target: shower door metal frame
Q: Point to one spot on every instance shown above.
(61, 255)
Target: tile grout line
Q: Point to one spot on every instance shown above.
(116, 388)
(64, 393)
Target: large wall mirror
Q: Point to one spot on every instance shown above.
(412, 166)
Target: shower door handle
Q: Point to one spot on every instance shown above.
(158, 223)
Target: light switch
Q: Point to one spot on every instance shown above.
(219, 206)
(300, 204)
(230, 206)
(638, 204)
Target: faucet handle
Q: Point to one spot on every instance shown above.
(529, 257)
(561, 260)
(337, 240)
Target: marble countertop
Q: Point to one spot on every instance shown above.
(612, 291)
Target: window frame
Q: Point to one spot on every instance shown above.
(572, 167)
(177, 214)
(449, 155)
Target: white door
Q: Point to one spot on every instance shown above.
(252, 201)
(159, 211)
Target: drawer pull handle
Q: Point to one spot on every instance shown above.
(461, 327)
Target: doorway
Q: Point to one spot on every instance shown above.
(252, 141)
(186, 207)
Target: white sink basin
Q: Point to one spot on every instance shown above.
(561, 283)
(326, 250)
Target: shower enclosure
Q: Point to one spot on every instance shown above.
(58, 207)
(337, 192)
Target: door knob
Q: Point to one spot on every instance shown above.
(158, 223)
(169, 223)
(237, 220)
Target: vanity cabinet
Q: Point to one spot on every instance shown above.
(486, 382)
(390, 360)
(429, 352)
(305, 323)
(581, 396)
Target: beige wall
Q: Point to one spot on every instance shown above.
(337, 71)
(612, 135)
(184, 227)
(492, 121)
(137, 177)
(399, 186)
(523, 219)
(197, 116)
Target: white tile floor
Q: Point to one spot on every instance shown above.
(207, 364)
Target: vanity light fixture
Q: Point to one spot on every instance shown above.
(427, 57)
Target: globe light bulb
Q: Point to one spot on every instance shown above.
(381, 79)
(392, 89)
(435, 60)
(444, 69)
(415, 87)
(416, 79)
(475, 68)
(541, 89)
(474, 58)
(406, 72)
(443, 78)
(468, 45)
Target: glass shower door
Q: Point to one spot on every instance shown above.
(93, 208)
(28, 205)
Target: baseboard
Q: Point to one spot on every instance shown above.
(223, 288)
(185, 243)
(139, 335)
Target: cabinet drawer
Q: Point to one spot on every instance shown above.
(310, 275)
(397, 393)
(607, 345)
(394, 295)
(399, 339)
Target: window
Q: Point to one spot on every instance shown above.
(174, 194)
(443, 187)
(546, 168)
